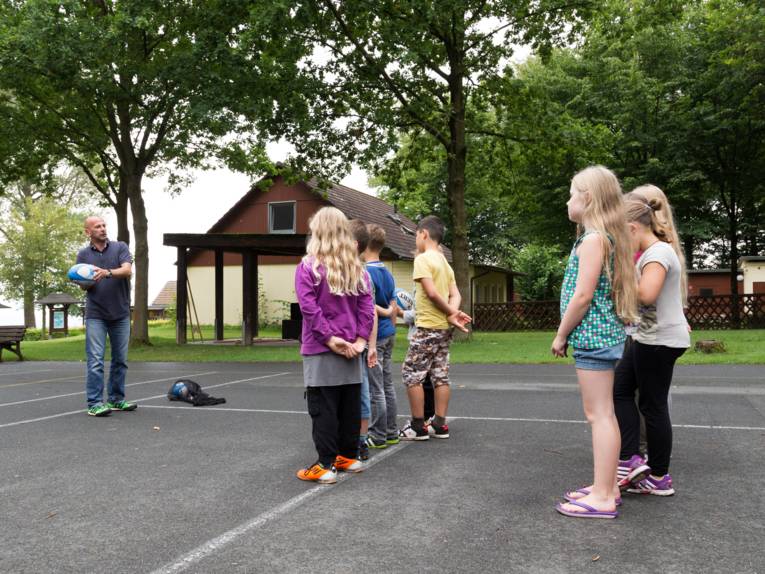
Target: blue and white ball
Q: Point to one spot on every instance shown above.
(404, 300)
(82, 274)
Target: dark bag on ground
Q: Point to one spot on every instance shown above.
(188, 391)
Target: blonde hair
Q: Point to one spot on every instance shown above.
(663, 226)
(604, 213)
(332, 245)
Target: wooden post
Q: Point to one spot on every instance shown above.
(218, 295)
(249, 296)
(181, 297)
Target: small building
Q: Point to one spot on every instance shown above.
(708, 282)
(285, 209)
(164, 299)
(753, 271)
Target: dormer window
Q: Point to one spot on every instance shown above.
(281, 217)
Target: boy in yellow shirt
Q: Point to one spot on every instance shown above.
(437, 303)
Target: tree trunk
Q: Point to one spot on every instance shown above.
(121, 209)
(456, 162)
(140, 332)
(30, 321)
(689, 244)
(733, 239)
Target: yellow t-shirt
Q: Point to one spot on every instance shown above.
(432, 264)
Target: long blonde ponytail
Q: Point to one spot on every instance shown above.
(604, 213)
(332, 245)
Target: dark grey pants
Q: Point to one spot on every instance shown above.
(382, 424)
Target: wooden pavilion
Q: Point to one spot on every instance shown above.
(250, 246)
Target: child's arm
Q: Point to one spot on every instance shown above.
(430, 290)
(372, 347)
(590, 266)
(366, 319)
(652, 278)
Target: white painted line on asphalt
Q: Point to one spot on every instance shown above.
(455, 418)
(82, 392)
(73, 378)
(163, 395)
(25, 372)
(211, 546)
(565, 421)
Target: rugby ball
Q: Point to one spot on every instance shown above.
(82, 274)
(404, 300)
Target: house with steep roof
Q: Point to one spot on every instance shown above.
(285, 208)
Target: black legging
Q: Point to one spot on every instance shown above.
(648, 369)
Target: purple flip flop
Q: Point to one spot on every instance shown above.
(590, 511)
(584, 492)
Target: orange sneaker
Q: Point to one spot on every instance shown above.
(348, 464)
(318, 473)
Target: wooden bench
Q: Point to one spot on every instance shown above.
(10, 338)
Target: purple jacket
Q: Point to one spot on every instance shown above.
(326, 315)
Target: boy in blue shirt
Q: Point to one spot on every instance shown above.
(383, 429)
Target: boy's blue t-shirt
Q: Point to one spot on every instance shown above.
(385, 292)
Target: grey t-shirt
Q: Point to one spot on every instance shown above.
(663, 323)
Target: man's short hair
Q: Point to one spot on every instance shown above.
(376, 237)
(434, 226)
(360, 234)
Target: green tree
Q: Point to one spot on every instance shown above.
(41, 231)
(542, 268)
(23, 206)
(136, 88)
(393, 67)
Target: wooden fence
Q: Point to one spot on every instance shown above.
(715, 312)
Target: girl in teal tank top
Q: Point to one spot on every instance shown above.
(597, 296)
(600, 327)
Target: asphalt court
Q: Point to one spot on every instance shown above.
(173, 488)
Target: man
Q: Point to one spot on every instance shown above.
(107, 312)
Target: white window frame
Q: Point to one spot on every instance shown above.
(271, 222)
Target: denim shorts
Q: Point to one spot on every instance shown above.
(604, 359)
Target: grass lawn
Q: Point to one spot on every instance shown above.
(743, 347)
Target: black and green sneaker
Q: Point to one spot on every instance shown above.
(122, 406)
(99, 411)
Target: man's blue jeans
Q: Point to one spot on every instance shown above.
(96, 331)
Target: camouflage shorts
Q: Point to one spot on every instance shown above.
(428, 354)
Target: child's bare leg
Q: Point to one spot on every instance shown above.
(442, 394)
(597, 398)
(364, 426)
(416, 401)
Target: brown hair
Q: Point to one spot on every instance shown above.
(360, 234)
(434, 226)
(376, 237)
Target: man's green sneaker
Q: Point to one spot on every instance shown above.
(99, 411)
(393, 440)
(122, 406)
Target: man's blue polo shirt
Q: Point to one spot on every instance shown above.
(385, 292)
(109, 299)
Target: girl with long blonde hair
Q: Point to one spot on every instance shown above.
(338, 311)
(598, 296)
(660, 339)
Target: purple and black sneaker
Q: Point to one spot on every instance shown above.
(650, 485)
(631, 471)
